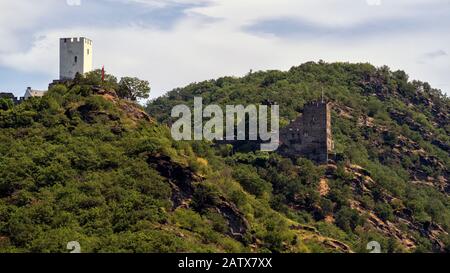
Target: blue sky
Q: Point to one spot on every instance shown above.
(174, 42)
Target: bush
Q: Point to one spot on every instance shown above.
(384, 211)
(250, 180)
(348, 219)
(204, 197)
(6, 104)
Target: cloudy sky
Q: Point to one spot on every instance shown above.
(174, 42)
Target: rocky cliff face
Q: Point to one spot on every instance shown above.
(394, 147)
(362, 184)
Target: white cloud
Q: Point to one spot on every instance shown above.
(195, 49)
(323, 12)
(41, 57)
(17, 17)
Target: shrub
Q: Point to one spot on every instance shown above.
(250, 180)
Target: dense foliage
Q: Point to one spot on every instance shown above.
(390, 178)
(80, 164)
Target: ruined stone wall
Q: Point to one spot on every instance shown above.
(310, 134)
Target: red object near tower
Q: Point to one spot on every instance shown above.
(103, 73)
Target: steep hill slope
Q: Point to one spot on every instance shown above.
(80, 164)
(390, 178)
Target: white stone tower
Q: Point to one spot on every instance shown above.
(75, 55)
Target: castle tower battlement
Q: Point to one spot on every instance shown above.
(310, 134)
(75, 56)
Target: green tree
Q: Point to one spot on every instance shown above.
(250, 180)
(133, 88)
(348, 219)
(95, 78)
(5, 104)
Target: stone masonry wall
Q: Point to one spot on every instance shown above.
(310, 134)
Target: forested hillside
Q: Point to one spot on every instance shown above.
(389, 180)
(81, 164)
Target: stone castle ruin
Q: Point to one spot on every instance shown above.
(310, 134)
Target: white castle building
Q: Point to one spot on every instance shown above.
(75, 56)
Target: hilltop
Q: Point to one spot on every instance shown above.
(389, 180)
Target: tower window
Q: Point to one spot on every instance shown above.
(88, 51)
(76, 58)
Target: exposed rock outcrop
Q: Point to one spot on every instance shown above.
(183, 183)
(362, 183)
